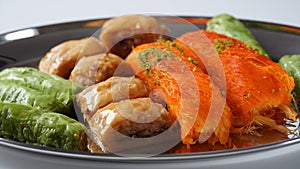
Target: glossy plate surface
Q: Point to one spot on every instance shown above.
(26, 47)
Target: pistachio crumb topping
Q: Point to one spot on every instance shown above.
(222, 44)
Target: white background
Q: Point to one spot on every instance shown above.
(18, 14)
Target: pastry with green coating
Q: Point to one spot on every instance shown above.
(32, 87)
(35, 126)
(228, 25)
(291, 63)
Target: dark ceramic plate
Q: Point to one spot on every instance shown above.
(26, 47)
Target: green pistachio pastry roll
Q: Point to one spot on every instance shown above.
(228, 25)
(31, 87)
(31, 125)
(291, 63)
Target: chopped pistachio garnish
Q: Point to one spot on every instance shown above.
(223, 93)
(227, 108)
(148, 72)
(156, 83)
(160, 40)
(249, 95)
(222, 44)
(153, 55)
(195, 103)
(193, 61)
(169, 44)
(274, 91)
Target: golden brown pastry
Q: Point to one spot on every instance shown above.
(122, 33)
(94, 69)
(61, 59)
(116, 125)
(111, 90)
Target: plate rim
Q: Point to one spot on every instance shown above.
(165, 157)
(44, 29)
